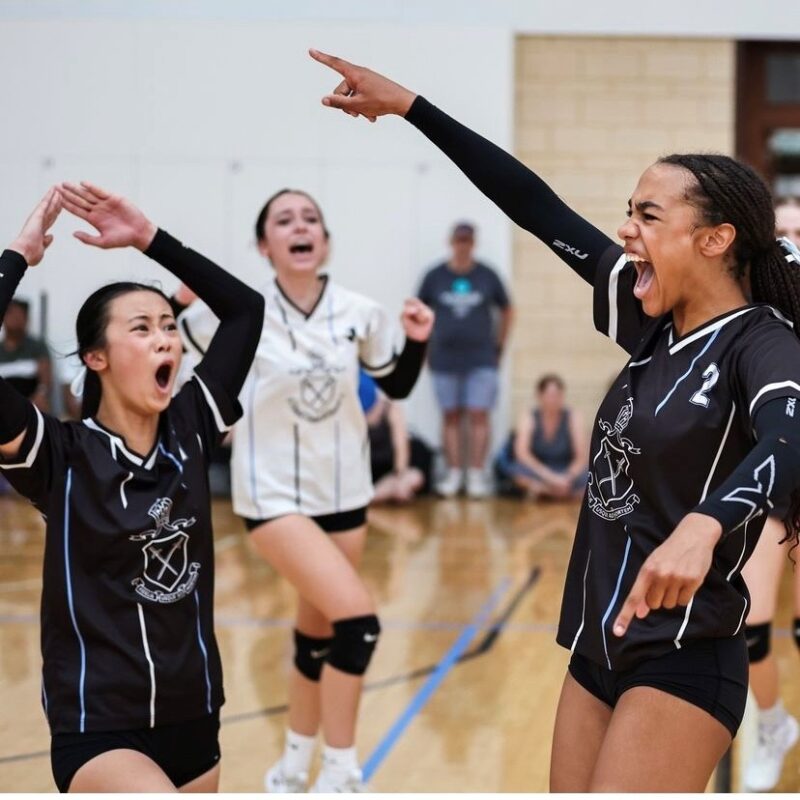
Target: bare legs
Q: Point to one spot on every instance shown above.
(652, 741)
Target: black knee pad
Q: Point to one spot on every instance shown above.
(796, 631)
(354, 641)
(758, 641)
(310, 653)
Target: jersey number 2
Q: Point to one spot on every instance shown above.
(710, 378)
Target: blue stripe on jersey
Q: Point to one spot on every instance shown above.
(614, 598)
(205, 652)
(688, 371)
(171, 457)
(71, 603)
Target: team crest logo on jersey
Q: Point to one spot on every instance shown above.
(610, 490)
(319, 396)
(166, 560)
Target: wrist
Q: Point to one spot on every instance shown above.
(22, 248)
(404, 102)
(706, 528)
(144, 237)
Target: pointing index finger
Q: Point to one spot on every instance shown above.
(338, 64)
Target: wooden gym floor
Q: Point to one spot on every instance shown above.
(463, 688)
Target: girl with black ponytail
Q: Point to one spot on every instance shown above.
(131, 681)
(695, 443)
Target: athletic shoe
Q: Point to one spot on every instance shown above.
(353, 783)
(450, 485)
(477, 485)
(276, 781)
(764, 769)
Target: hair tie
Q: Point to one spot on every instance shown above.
(790, 250)
(78, 382)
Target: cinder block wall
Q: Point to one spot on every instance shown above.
(591, 115)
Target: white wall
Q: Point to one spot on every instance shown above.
(199, 120)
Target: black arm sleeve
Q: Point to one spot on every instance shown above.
(767, 476)
(240, 310)
(515, 189)
(400, 381)
(15, 410)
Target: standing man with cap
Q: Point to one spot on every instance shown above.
(465, 349)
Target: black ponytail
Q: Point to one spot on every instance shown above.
(90, 329)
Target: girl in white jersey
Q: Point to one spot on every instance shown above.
(301, 472)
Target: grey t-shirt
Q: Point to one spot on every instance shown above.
(463, 335)
(20, 367)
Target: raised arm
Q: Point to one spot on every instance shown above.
(514, 188)
(16, 412)
(240, 309)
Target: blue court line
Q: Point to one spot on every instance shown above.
(434, 681)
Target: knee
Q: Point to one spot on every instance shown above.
(452, 416)
(758, 641)
(310, 653)
(479, 416)
(354, 642)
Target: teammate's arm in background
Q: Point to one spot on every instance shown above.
(25, 251)
(514, 188)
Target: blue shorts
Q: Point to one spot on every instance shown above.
(476, 389)
(509, 467)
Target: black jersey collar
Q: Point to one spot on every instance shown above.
(117, 445)
(709, 327)
(309, 314)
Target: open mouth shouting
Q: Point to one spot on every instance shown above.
(164, 375)
(644, 274)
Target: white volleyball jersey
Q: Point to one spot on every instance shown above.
(302, 445)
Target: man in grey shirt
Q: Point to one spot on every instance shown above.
(464, 352)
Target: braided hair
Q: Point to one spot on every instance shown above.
(726, 191)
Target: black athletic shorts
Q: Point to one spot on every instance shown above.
(709, 673)
(330, 523)
(184, 751)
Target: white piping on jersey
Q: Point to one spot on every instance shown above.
(741, 619)
(152, 666)
(71, 603)
(199, 442)
(719, 453)
(34, 451)
(182, 452)
(220, 423)
(741, 555)
(122, 495)
(714, 326)
(117, 443)
(24, 368)
(615, 597)
(677, 640)
(330, 318)
(205, 652)
(771, 387)
(44, 692)
(297, 465)
(583, 610)
(613, 300)
(781, 317)
(688, 372)
(640, 363)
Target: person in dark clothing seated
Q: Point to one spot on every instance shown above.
(547, 454)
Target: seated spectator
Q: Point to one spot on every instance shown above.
(401, 464)
(547, 454)
(25, 360)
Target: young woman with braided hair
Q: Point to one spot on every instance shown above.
(778, 731)
(695, 441)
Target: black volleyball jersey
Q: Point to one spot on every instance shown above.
(675, 424)
(127, 602)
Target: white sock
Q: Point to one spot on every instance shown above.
(339, 762)
(772, 717)
(297, 752)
